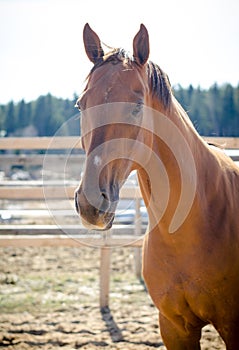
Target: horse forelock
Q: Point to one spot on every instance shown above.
(157, 79)
(116, 55)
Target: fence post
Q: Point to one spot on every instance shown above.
(105, 253)
(137, 231)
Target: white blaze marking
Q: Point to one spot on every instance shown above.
(97, 161)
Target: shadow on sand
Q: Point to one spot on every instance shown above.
(116, 333)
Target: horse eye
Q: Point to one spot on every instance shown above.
(137, 108)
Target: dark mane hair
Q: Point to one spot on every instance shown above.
(158, 80)
(160, 84)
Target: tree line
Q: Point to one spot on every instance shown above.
(42, 117)
(213, 111)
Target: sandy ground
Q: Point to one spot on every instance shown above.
(49, 299)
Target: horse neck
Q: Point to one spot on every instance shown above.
(171, 177)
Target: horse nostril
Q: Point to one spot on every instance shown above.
(76, 203)
(104, 203)
(104, 195)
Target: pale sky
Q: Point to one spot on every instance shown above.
(41, 48)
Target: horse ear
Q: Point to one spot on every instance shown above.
(141, 45)
(92, 44)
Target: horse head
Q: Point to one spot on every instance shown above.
(113, 138)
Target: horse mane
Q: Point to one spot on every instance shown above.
(160, 84)
(158, 80)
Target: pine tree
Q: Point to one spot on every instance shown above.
(2, 118)
(228, 121)
(23, 116)
(213, 102)
(11, 120)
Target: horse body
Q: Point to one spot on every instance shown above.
(191, 249)
(193, 275)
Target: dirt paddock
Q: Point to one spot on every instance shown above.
(49, 299)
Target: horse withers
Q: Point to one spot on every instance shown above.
(131, 121)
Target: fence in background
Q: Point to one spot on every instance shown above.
(21, 235)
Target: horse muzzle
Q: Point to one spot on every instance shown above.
(96, 212)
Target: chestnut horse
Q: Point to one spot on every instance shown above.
(131, 120)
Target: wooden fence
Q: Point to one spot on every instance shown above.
(20, 235)
(17, 154)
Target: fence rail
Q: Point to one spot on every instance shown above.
(66, 142)
(54, 192)
(51, 235)
(57, 142)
